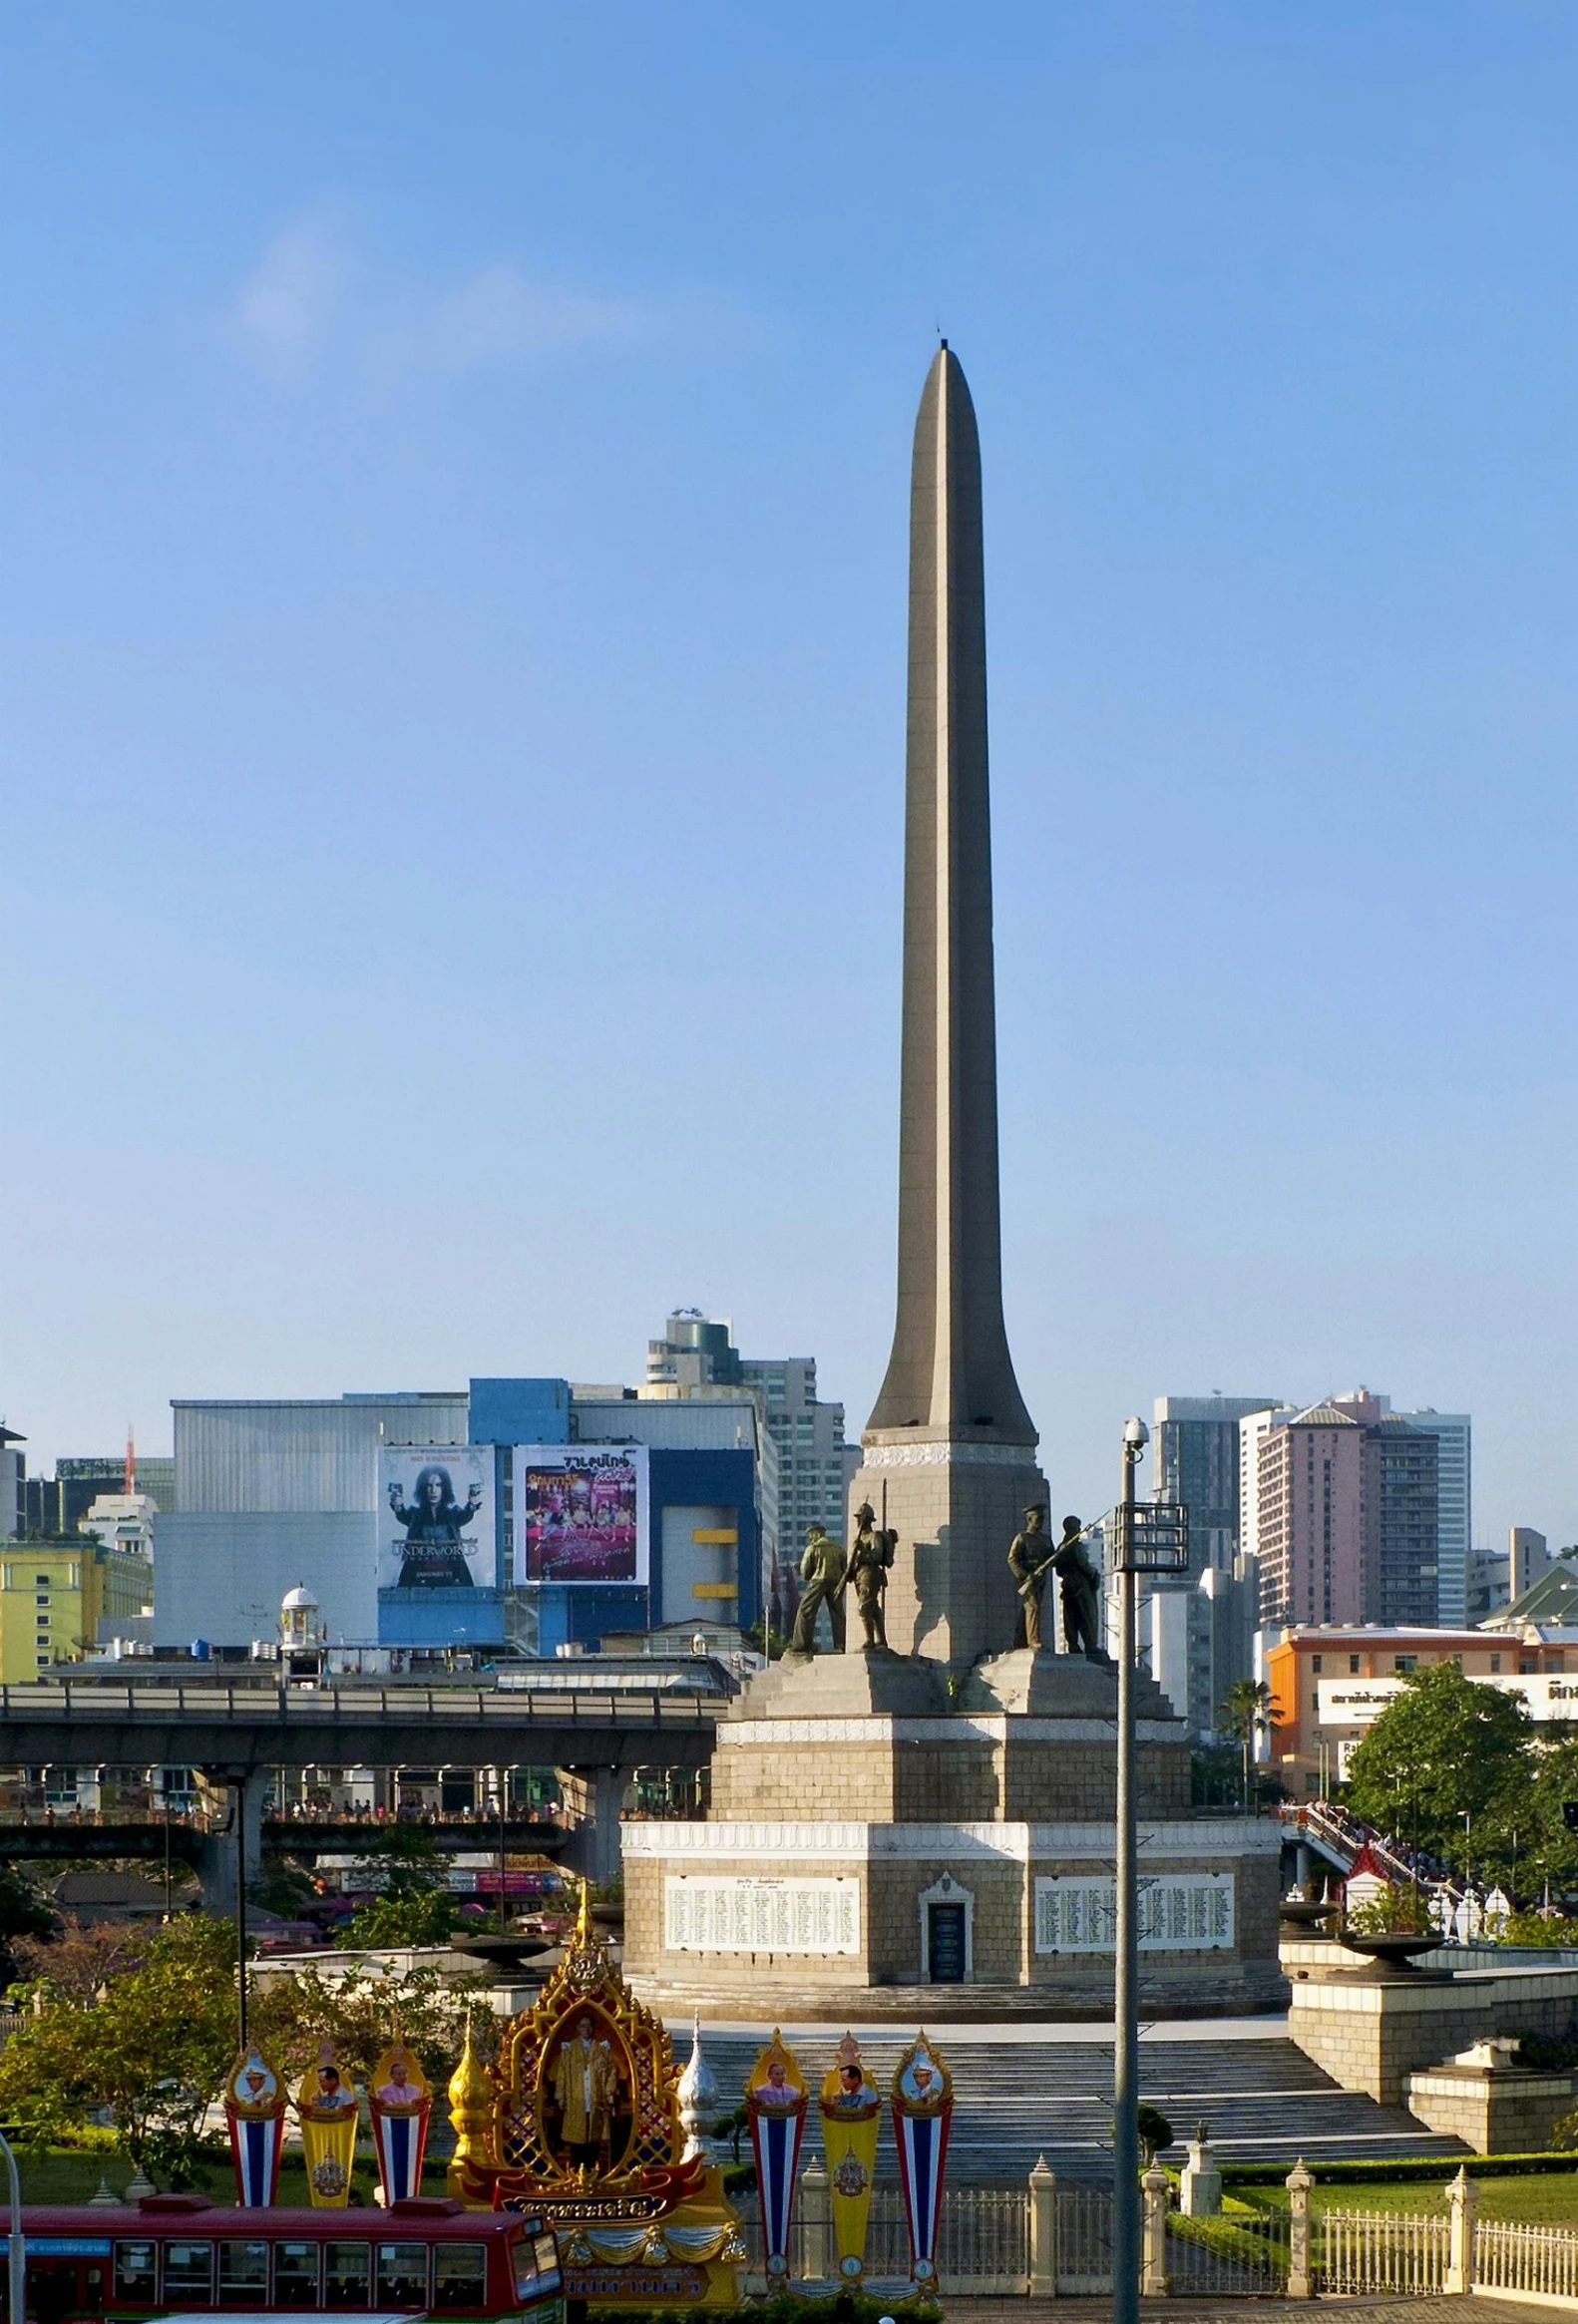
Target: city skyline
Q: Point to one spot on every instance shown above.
(454, 737)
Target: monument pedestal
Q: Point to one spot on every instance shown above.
(890, 1833)
(954, 1502)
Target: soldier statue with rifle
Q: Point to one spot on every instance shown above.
(870, 1557)
(1030, 1556)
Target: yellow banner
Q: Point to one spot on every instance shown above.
(851, 2111)
(329, 2149)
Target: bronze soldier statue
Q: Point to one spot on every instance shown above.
(1029, 1561)
(822, 1574)
(1081, 1594)
(870, 1558)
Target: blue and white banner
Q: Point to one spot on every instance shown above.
(399, 2139)
(922, 2108)
(776, 2097)
(400, 2101)
(254, 2113)
(255, 2143)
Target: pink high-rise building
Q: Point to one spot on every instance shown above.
(1309, 1527)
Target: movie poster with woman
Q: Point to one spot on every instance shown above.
(436, 1525)
(580, 1512)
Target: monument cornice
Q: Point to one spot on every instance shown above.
(944, 1451)
(783, 1843)
(958, 1726)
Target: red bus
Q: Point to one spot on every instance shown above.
(181, 2256)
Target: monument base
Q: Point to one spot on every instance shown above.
(890, 1836)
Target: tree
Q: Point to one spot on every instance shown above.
(402, 1860)
(78, 1964)
(1444, 1750)
(425, 1916)
(283, 1888)
(1523, 1840)
(1244, 1712)
(150, 2043)
(361, 2013)
(23, 1912)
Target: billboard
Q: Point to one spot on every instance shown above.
(437, 1528)
(580, 1513)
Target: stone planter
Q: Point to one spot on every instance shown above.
(1393, 1951)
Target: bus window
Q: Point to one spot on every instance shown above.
(134, 2275)
(402, 2275)
(535, 2259)
(243, 2275)
(51, 2291)
(346, 2274)
(296, 2275)
(460, 2275)
(188, 2273)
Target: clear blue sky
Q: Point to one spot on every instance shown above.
(451, 571)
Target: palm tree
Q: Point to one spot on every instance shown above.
(1244, 1712)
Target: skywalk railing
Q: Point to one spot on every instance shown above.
(104, 1700)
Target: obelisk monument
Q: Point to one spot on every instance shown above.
(950, 1437)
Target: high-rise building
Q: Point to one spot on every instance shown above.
(1196, 1442)
(696, 1357)
(13, 1482)
(58, 1503)
(1345, 1515)
(53, 1596)
(1454, 1516)
(1200, 1645)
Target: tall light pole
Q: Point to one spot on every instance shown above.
(16, 2242)
(1148, 1537)
(1125, 1992)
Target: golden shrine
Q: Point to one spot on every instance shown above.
(578, 2120)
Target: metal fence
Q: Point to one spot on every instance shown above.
(1234, 2258)
(1055, 2238)
(982, 2240)
(1511, 2257)
(1384, 2251)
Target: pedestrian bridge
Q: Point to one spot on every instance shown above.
(94, 1835)
(240, 1727)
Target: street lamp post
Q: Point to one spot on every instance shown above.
(239, 1815)
(1125, 1992)
(1148, 1537)
(16, 2242)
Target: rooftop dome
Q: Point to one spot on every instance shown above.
(297, 1600)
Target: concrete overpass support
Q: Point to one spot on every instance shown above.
(217, 1856)
(593, 1799)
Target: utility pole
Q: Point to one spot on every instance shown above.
(1125, 1996)
(1148, 1537)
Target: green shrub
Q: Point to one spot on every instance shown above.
(1249, 2246)
(1397, 1910)
(1433, 2172)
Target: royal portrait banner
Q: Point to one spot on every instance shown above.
(255, 2115)
(923, 2107)
(851, 2110)
(776, 2100)
(326, 2106)
(400, 2101)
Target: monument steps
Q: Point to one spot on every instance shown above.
(1263, 2101)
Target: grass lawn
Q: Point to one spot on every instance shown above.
(1551, 2196)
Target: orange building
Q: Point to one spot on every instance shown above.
(1329, 1686)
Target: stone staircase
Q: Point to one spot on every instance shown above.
(1016, 2099)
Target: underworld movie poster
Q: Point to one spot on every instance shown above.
(580, 1512)
(436, 1528)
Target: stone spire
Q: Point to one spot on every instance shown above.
(949, 1449)
(950, 1369)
